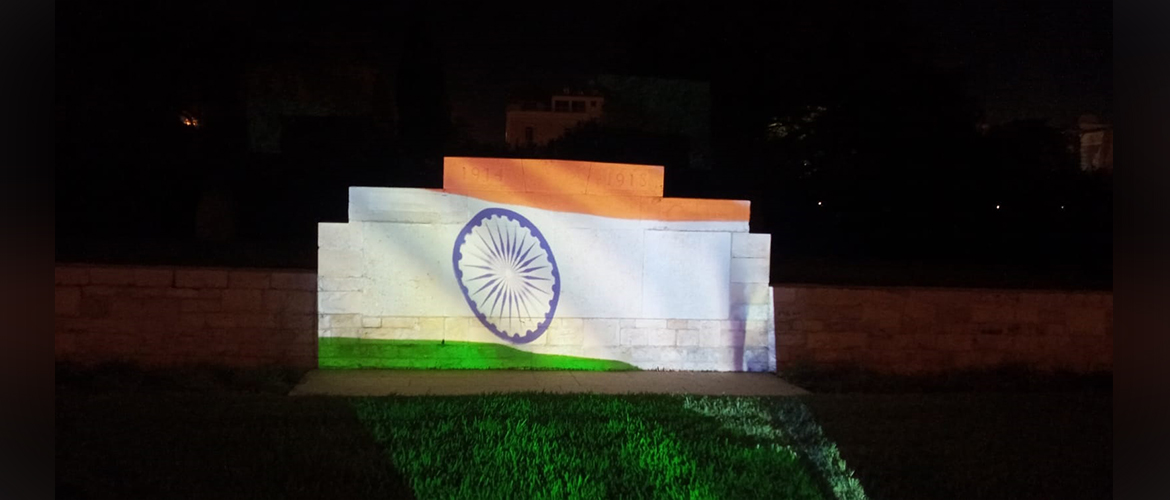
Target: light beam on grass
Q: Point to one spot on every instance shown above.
(582, 446)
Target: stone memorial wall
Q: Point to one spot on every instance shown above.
(543, 263)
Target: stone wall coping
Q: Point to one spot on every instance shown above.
(912, 288)
(892, 288)
(79, 265)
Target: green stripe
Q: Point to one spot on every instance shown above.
(350, 353)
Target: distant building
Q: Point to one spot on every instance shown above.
(1096, 143)
(664, 113)
(535, 123)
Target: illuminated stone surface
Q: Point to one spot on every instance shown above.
(551, 257)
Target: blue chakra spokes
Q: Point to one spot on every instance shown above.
(508, 274)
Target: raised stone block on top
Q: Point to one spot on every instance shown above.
(555, 176)
(462, 175)
(608, 179)
(559, 211)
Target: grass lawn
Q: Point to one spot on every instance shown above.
(144, 441)
(992, 446)
(595, 446)
(211, 445)
(235, 437)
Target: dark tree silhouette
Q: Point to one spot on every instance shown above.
(596, 141)
(424, 116)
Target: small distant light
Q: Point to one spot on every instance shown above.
(819, 203)
(997, 207)
(189, 120)
(1062, 207)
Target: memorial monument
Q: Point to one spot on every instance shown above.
(544, 264)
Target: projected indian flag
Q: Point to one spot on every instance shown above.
(544, 264)
(515, 276)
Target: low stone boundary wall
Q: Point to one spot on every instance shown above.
(177, 315)
(248, 317)
(914, 330)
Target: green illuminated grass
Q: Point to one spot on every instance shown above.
(595, 446)
(337, 352)
(229, 433)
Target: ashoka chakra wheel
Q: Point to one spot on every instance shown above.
(508, 274)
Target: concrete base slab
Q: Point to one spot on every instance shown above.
(461, 382)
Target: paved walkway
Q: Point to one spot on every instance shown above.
(453, 382)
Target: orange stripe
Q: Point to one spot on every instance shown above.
(551, 176)
(603, 189)
(623, 207)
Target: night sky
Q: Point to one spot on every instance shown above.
(1050, 59)
(374, 93)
